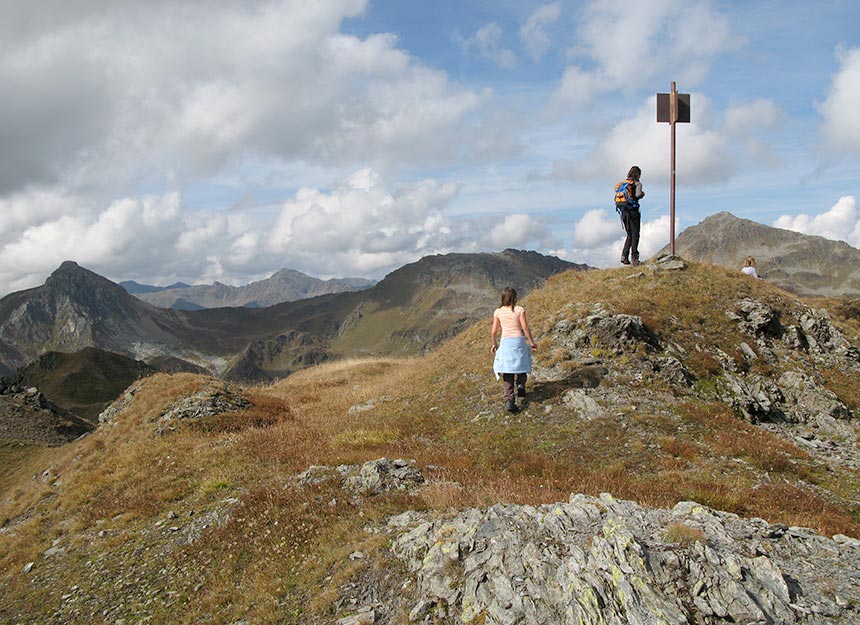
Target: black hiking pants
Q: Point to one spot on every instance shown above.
(630, 219)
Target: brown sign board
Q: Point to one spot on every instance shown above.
(663, 108)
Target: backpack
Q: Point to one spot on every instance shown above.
(624, 198)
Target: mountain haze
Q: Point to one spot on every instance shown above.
(135, 288)
(800, 263)
(286, 285)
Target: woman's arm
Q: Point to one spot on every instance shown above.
(496, 327)
(524, 322)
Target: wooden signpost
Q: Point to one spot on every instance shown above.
(673, 108)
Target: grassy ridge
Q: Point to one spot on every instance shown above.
(284, 551)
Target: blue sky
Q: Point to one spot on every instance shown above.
(202, 141)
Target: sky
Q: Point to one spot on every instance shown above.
(223, 140)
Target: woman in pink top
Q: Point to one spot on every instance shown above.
(513, 360)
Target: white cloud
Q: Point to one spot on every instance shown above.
(757, 116)
(623, 46)
(598, 238)
(576, 89)
(104, 95)
(128, 234)
(840, 223)
(516, 231)
(841, 122)
(594, 229)
(488, 42)
(704, 155)
(533, 33)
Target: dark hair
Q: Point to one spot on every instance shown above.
(509, 297)
(634, 173)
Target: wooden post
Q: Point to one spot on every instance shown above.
(673, 117)
(673, 108)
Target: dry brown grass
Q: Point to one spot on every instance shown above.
(276, 555)
(683, 534)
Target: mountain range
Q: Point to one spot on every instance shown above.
(286, 285)
(801, 263)
(409, 311)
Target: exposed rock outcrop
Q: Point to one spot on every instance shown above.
(212, 400)
(793, 401)
(371, 478)
(600, 560)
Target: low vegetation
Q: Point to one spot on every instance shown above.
(112, 498)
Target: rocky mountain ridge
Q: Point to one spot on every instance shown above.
(82, 382)
(801, 263)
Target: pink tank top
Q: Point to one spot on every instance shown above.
(510, 320)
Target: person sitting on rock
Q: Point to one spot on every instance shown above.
(513, 360)
(749, 267)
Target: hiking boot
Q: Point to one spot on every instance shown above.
(635, 262)
(521, 390)
(511, 406)
(624, 261)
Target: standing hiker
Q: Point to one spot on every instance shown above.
(628, 192)
(513, 360)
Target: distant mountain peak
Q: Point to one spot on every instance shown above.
(71, 278)
(801, 263)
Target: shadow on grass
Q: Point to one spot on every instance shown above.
(588, 376)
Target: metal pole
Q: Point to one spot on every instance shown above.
(673, 117)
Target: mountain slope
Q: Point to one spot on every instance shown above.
(83, 382)
(664, 388)
(800, 263)
(286, 285)
(410, 311)
(27, 418)
(77, 308)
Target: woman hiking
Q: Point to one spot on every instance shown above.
(513, 359)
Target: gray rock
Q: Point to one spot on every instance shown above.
(670, 263)
(752, 397)
(807, 402)
(371, 478)
(672, 371)
(600, 560)
(378, 476)
(212, 400)
(748, 351)
(585, 407)
(821, 335)
(364, 617)
(756, 318)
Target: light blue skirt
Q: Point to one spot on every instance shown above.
(513, 356)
